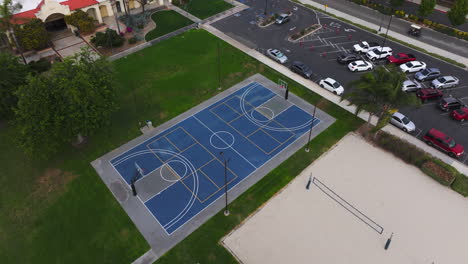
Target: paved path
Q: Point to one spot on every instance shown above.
(430, 40)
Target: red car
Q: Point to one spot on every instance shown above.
(460, 114)
(401, 58)
(443, 142)
(427, 94)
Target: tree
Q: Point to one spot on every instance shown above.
(73, 99)
(457, 14)
(81, 20)
(426, 8)
(7, 9)
(142, 3)
(13, 74)
(379, 92)
(32, 35)
(108, 39)
(396, 3)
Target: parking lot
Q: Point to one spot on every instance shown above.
(320, 49)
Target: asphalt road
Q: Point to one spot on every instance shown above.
(320, 50)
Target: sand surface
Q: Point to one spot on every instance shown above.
(429, 221)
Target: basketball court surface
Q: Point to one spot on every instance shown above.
(178, 171)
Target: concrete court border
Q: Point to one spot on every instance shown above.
(151, 230)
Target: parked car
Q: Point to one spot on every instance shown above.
(379, 53)
(443, 142)
(277, 55)
(282, 18)
(460, 114)
(427, 75)
(413, 66)
(345, 58)
(360, 65)
(365, 46)
(410, 86)
(401, 121)
(445, 82)
(332, 86)
(301, 69)
(450, 103)
(401, 58)
(429, 94)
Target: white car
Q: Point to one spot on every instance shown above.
(277, 55)
(360, 65)
(332, 86)
(413, 66)
(445, 82)
(410, 86)
(365, 46)
(379, 53)
(401, 121)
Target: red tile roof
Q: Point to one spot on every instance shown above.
(77, 4)
(24, 17)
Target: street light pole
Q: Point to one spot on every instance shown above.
(388, 27)
(226, 210)
(266, 3)
(381, 22)
(310, 131)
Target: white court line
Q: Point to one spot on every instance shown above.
(225, 142)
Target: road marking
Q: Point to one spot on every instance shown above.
(349, 30)
(319, 39)
(444, 113)
(417, 134)
(455, 88)
(293, 28)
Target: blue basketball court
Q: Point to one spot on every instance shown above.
(249, 126)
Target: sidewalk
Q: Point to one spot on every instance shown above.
(334, 98)
(430, 40)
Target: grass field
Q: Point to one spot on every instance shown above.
(166, 22)
(205, 8)
(59, 211)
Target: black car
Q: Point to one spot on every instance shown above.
(301, 69)
(346, 58)
(450, 103)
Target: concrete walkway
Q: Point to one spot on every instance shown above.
(333, 98)
(432, 41)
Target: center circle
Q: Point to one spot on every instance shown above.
(256, 110)
(175, 163)
(222, 140)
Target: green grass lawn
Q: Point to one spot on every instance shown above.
(59, 211)
(166, 22)
(205, 8)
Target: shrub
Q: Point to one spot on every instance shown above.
(460, 184)
(32, 35)
(39, 66)
(402, 149)
(439, 171)
(108, 39)
(135, 21)
(81, 20)
(132, 40)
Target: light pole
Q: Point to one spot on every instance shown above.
(388, 27)
(310, 132)
(381, 22)
(113, 3)
(266, 3)
(226, 210)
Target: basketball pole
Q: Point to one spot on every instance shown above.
(310, 132)
(226, 209)
(132, 183)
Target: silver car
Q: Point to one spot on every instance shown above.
(445, 82)
(410, 86)
(277, 55)
(401, 121)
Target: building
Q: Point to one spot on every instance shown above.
(52, 12)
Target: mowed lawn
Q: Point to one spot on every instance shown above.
(59, 211)
(166, 22)
(206, 8)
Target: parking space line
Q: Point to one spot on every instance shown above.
(455, 88)
(419, 132)
(466, 158)
(445, 113)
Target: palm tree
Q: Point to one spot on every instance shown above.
(7, 10)
(379, 92)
